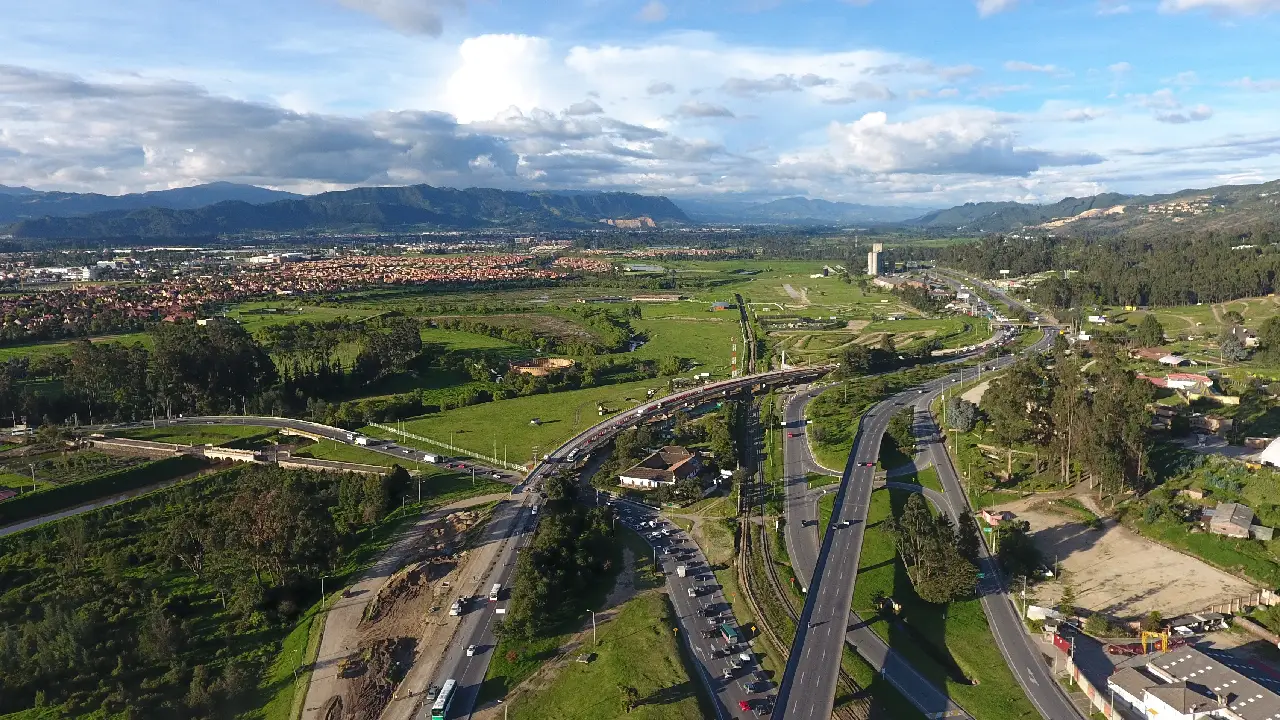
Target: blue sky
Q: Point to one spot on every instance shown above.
(909, 102)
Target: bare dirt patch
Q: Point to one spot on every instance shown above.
(975, 393)
(857, 325)
(1120, 573)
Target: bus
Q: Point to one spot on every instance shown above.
(730, 634)
(493, 593)
(444, 700)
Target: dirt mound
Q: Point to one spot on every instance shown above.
(373, 676)
(405, 586)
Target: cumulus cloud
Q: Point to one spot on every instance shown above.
(862, 92)
(1248, 83)
(412, 17)
(660, 88)
(586, 107)
(697, 109)
(1189, 115)
(949, 73)
(1081, 115)
(653, 11)
(969, 143)
(1020, 66)
(748, 87)
(991, 7)
(1233, 7)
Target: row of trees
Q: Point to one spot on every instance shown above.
(1176, 269)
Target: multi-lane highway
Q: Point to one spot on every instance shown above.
(808, 687)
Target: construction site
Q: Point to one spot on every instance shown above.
(406, 624)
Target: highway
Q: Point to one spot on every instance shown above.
(803, 537)
(515, 524)
(814, 662)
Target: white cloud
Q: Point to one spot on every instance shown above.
(961, 142)
(987, 92)
(497, 71)
(1198, 113)
(660, 88)
(1084, 114)
(412, 17)
(1233, 7)
(863, 91)
(586, 107)
(1248, 83)
(991, 7)
(749, 87)
(696, 109)
(1120, 68)
(1184, 79)
(1020, 66)
(653, 11)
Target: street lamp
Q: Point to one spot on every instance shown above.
(594, 639)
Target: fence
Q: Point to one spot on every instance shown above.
(452, 448)
(1100, 698)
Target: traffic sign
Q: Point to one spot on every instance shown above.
(986, 530)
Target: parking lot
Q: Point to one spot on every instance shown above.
(722, 648)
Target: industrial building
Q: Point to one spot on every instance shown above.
(1187, 684)
(663, 467)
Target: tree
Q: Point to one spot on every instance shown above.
(961, 414)
(1232, 350)
(930, 548)
(1067, 603)
(1150, 332)
(967, 537)
(1269, 338)
(670, 365)
(630, 697)
(1153, 621)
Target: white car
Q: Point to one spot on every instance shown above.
(471, 650)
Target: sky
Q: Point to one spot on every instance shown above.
(925, 103)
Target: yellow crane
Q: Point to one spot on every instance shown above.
(1160, 640)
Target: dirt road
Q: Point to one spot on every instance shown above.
(341, 633)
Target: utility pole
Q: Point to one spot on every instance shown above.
(594, 639)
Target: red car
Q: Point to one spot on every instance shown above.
(791, 435)
(746, 706)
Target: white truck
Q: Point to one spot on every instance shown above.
(494, 592)
(431, 457)
(365, 440)
(681, 570)
(456, 608)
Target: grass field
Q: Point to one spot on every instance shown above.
(199, 434)
(507, 422)
(63, 347)
(254, 315)
(459, 341)
(338, 452)
(636, 650)
(952, 644)
(706, 338)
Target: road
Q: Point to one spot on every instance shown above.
(701, 615)
(340, 637)
(477, 628)
(803, 539)
(511, 527)
(814, 662)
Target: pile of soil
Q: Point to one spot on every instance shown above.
(374, 675)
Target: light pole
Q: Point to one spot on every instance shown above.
(322, 595)
(33, 477)
(594, 640)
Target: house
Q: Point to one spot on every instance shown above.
(1247, 337)
(1152, 354)
(719, 306)
(1173, 360)
(1232, 520)
(1098, 319)
(1187, 684)
(995, 517)
(1197, 623)
(663, 467)
(7, 494)
(1189, 381)
(1271, 455)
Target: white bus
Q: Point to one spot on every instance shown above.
(493, 592)
(441, 708)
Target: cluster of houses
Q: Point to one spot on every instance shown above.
(84, 310)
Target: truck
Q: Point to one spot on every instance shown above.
(431, 457)
(681, 570)
(456, 608)
(493, 592)
(365, 440)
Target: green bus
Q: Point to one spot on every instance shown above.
(444, 700)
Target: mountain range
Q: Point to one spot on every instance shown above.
(378, 208)
(796, 211)
(23, 203)
(1227, 208)
(220, 208)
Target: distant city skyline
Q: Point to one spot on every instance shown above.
(885, 102)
